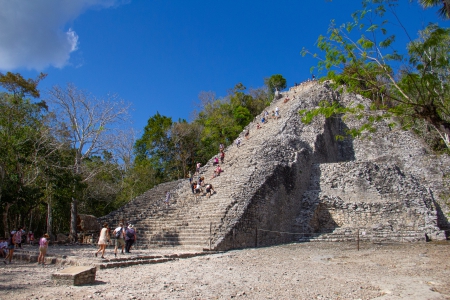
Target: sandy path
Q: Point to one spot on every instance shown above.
(295, 271)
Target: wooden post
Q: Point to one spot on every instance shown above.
(357, 238)
(234, 237)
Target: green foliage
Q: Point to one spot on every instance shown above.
(37, 172)
(275, 82)
(155, 145)
(20, 87)
(358, 57)
(444, 10)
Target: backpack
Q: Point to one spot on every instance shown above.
(119, 232)
(130, 233)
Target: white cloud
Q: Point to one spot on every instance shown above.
(34, 33)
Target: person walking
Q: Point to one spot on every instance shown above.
(43, 246)
(238, 142)
(167, 200)
(119, 233)
(18, 237)
(103, 240)
(30, 238)
(11, 246)
(130, 238)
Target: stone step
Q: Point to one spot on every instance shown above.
(188, 219)
(141, 260)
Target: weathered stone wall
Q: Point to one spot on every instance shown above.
(381, 185)
(291, 181)
(271, 208)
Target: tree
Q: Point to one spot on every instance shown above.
(19, 86)
(417, 90)
(87, 125)
(24, 141)
(155, 146)
(275, 82)
(443, 12)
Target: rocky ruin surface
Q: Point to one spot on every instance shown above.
(294, 182)
(292, 271)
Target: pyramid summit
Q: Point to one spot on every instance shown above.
(289, 181)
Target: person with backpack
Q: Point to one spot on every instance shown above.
(103, 240)
(11, 246)
(119, 233)
(130, 238)
(43, 245)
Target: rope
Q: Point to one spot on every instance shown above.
(290, 232)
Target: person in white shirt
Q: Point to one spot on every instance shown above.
(119, 233)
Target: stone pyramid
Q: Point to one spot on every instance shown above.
(294, 182)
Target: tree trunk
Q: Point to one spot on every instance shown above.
(31, 220)
(73, 220)
(74, 204)
(49, 216)
(5, 219)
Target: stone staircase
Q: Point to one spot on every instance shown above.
(279, 179)
(196, 223)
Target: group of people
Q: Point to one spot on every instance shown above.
(14, 241)
(265, 118)
(197, 187)
(125, 238)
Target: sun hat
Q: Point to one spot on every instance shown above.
(130, 226)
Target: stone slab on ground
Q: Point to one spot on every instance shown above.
(78, 275)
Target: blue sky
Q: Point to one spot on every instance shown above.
(160, 54)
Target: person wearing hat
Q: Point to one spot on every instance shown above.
(130, 237)
(43, 245)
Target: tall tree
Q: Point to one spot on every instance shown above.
(88, 125)
(368, 65)
(23, 141)
(275, 82)
(155, 145)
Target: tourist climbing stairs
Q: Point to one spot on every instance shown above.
(193, 222)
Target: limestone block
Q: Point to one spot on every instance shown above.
(78, 275)
(62, 238)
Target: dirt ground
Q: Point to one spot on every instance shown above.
(294, 271)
